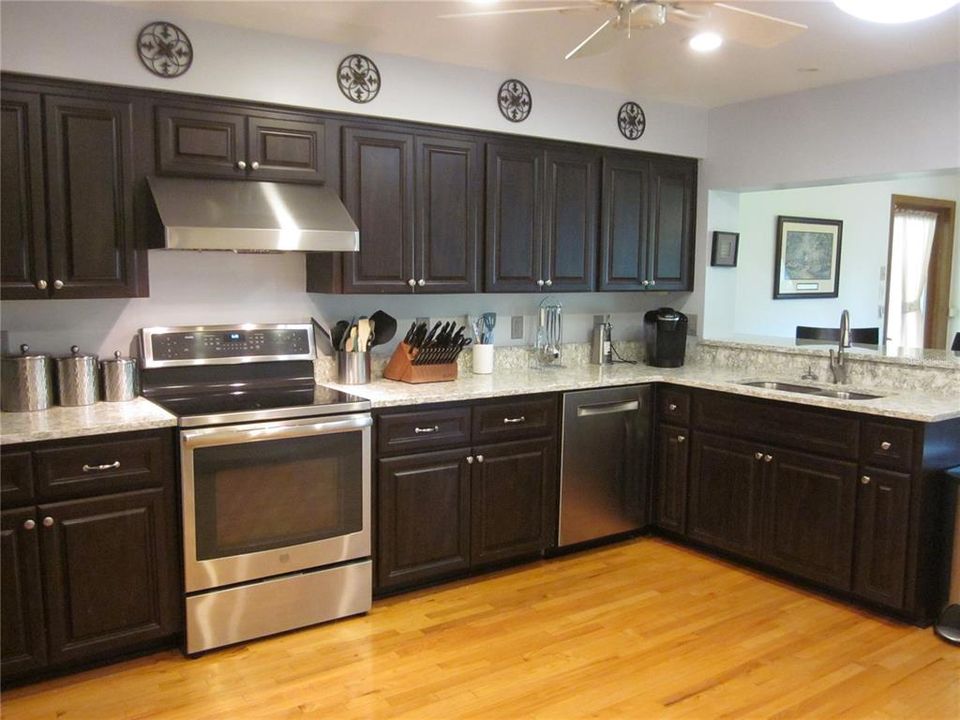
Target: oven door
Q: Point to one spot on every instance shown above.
(270, 498)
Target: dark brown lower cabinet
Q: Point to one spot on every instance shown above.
(511, 489)
(883, 519)
(23, 644)
(725, 487)
(423, 507)
(672, 462)
(809, 516)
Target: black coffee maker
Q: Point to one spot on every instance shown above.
(665, 331)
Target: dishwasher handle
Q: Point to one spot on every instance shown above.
(608, 408)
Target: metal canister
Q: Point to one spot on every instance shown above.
(27, 381)
(77, 378)
(119, 378)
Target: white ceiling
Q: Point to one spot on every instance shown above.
(653, 65)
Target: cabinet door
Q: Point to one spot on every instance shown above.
(725, 493)
(570, 230)
(623, 235)
(378, 193)
(883, 517)
(513, 500)
(423, 517)
(22, 642)
(90, 176)
(449, 188)
(110, 575)
(23, 265)
(16, 478)
(201, 143)
(809, 515)
(673, 187)
(284, 150)
(514, 228)
(671, 478)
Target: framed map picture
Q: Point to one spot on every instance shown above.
(808, 258)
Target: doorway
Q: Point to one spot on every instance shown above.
(919, 262)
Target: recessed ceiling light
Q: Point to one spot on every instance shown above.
(706, 42)
(894, 11)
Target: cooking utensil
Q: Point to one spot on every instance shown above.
(351, 343)
(408, 338)
(489, 321)
(386, 327)
(27, 381)
(363, 335)
(120, 378)
(338, 334)
(77, 378)
(324, 339)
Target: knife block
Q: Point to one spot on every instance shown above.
(401, 368)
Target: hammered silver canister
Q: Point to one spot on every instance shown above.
(77, 381)
(27, 381)
(120, 380)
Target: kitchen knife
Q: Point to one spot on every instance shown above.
(432, 332)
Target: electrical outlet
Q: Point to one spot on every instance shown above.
(516, 327)
(423, 320)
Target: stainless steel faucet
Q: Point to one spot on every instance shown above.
(838, 364)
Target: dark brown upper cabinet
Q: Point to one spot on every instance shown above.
(224, 142)
(648, 223)
(541, 218)
(416, 201)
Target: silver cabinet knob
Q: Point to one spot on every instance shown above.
(865, 480)
(652, 283)
(41, 284)
(48, 521)
(672, 407)
(411, 282)
(681, 438)
(58, 284)
(539, 283)
(241, 165)
(885, 445)
(758, 456)
(29, 524)
(479, 458)
(469, 459)
(548, 283)
(768, 458)
(421, 282)
(644, 282)
(254, 165)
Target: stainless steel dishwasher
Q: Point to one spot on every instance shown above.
(604, 462)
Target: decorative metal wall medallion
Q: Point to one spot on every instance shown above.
(514, 100)
(358, 78)
(631, 120)
(164, 49)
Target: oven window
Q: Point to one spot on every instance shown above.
(277, 493)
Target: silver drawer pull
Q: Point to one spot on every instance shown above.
(608, 408)
(885, 445)
(426, 430)
(115, 465)
(514, 421)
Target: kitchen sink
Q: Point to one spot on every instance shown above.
(835, 393)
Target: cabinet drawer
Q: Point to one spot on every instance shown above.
(887, 445)
(95, 468)
(673, 406)
(16, 479)
(415, 431)
(777, 423)
(534, 417)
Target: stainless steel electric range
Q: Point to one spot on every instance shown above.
(275, 476)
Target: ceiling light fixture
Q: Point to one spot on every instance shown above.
(894, 11)
(705, 42)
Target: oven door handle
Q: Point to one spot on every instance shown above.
(277, 430)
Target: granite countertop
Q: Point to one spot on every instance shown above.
(62, 422)
(903, 404)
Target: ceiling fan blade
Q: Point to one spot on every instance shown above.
(743, 26)
(516, 11)
(609, 37)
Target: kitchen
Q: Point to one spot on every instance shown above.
(745, 147)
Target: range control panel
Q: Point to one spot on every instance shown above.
(206, 345)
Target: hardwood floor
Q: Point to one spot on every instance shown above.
(644, 629)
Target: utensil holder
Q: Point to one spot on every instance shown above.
(401, 368)
(353, 368)
(483, 359)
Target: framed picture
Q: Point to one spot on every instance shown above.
(808, 258)
(725, 246)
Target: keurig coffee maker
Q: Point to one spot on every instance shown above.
(665, 331)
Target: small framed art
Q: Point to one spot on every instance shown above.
(725, 247)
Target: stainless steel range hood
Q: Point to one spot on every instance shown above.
(249, 216)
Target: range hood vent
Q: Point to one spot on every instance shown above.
(249, 216)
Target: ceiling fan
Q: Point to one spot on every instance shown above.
(737, 24)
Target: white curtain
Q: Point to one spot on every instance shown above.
(913, 232)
